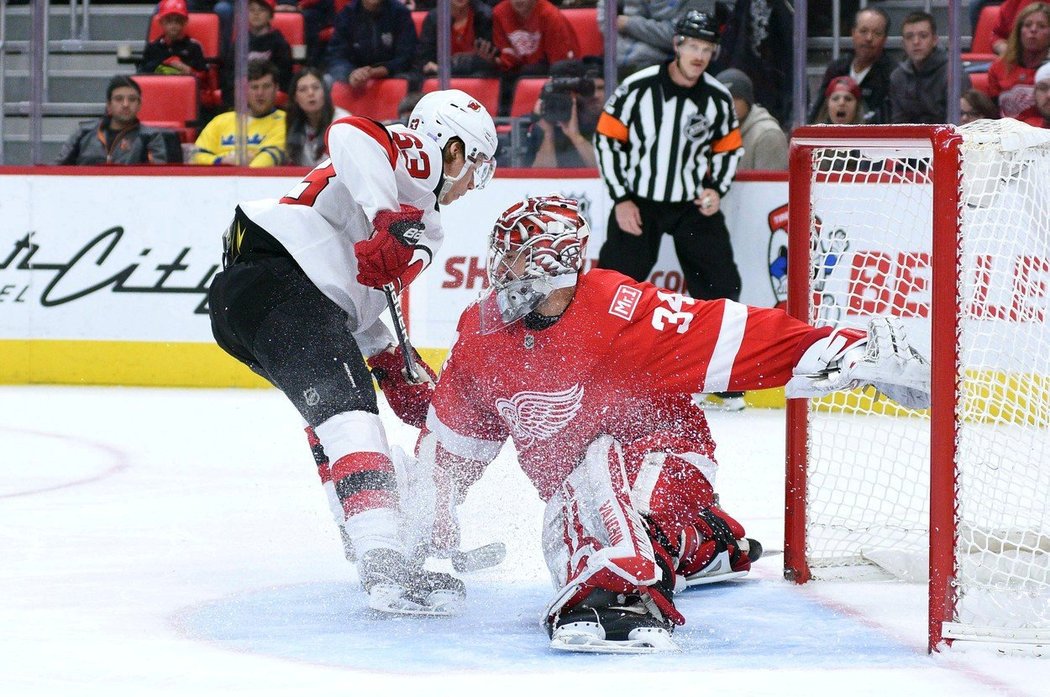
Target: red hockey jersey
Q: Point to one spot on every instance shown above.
(624, 359)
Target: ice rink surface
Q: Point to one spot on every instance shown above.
(177, 542)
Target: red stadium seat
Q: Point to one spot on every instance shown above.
(169, 101)
(584, 21)
(417, 18)
(291, 26)
(378, 100)
(202, 26)
(526, 93)
(979, 81)
(483, 89)
(981, 47)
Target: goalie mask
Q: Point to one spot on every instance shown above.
(536, 247)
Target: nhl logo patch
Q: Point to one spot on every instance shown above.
(625, 302)
(698, 127)
(312, 397)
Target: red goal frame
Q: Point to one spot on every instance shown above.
(945, 143)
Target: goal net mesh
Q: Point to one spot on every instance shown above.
(868, 462)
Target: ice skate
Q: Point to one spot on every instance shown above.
(726, 564)
(396, 585)
(607, 622)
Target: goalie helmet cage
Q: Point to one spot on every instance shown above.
(949, 229)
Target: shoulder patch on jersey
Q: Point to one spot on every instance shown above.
(625, 302)
(373, 129)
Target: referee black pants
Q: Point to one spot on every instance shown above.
(701, 242)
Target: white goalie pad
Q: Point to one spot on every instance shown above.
(590, 526)
(884, 359)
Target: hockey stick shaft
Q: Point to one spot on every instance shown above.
(401, 331)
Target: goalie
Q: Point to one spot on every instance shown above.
(591, 375)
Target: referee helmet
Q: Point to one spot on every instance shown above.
(697, 25)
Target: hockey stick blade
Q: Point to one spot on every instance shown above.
(484, 557)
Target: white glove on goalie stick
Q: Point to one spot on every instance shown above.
(883, 359)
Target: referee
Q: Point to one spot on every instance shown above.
(668, 144)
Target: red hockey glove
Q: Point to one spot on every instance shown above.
(392, 255)
(409, 401)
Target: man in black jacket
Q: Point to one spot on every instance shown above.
(118, 137)
(869, 65)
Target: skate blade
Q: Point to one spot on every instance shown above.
(652, 641)
(391, 600)
(691, 581)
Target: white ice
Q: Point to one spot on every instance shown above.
(178, 542)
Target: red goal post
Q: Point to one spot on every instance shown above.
(949, 229)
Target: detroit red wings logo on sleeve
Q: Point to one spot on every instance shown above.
(536, 416)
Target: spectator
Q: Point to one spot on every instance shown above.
(266, 43)
(472, 50)
(765, 145)
(644, 30)
(919, 85)
(1042, 95)
(174, 53)
(117, 138)
(567, 115)
(974, 105)
(1008, 13)
(264, 133)
(531, 36)
(310, 113)
(869, 65)
(842, 102)
(372, 39)
(1011, 78)
(758, 38)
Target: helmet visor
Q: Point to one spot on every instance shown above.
(483, 171)
(504, 305)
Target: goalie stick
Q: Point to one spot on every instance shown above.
(483, 557)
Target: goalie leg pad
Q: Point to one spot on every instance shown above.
(593, 538)
(705, 544)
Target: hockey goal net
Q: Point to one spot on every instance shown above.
(949, 229)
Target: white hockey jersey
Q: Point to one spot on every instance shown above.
(370, 168)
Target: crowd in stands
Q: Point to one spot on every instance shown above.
(549, 76)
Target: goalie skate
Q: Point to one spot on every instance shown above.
(606, 622)
(397, 586)
(721, 567)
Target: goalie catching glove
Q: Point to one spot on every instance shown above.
(409, 400)
(393, 255)
(849, 358)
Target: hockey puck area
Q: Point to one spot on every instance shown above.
(765, 622)
(37, 461)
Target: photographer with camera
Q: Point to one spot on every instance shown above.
(566, 116)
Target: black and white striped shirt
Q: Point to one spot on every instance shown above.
(659, 141)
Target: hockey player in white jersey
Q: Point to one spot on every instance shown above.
(300, 298)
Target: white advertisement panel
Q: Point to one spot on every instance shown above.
(129, 258)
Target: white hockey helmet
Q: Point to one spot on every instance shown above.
(448, 114)
(536, 246)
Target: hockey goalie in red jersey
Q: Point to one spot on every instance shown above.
(592, 375)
